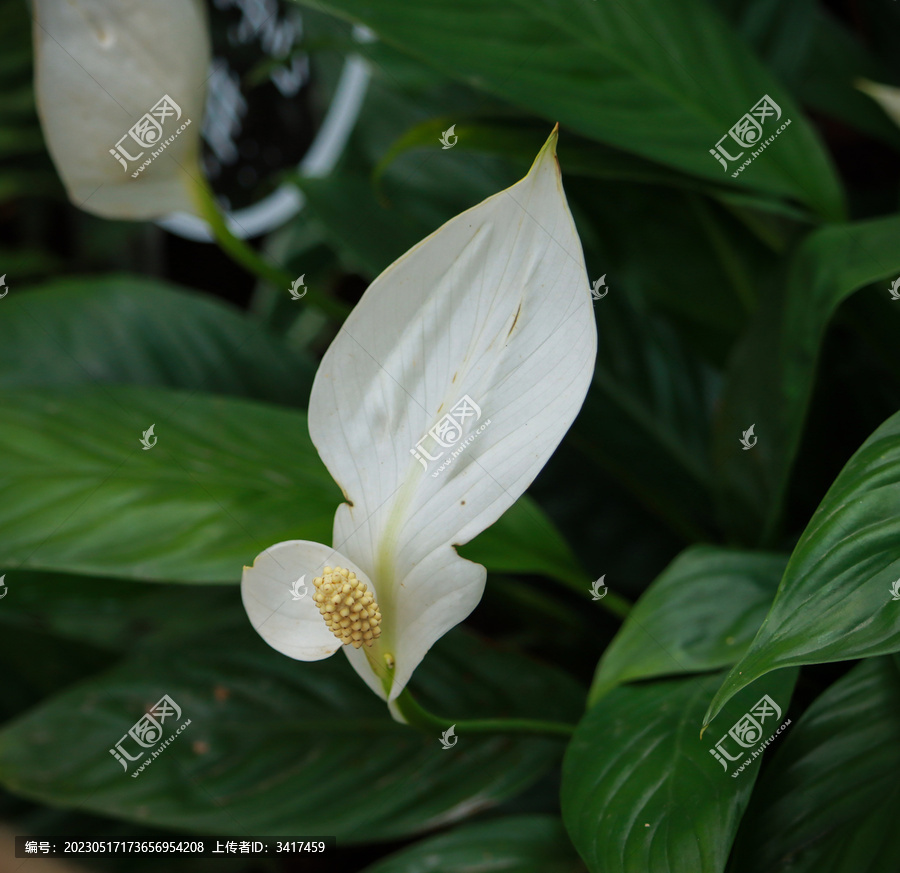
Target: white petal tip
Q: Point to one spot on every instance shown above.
(547, 155)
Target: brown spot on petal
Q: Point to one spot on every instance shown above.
(515, 320)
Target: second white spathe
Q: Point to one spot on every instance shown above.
(100, 66)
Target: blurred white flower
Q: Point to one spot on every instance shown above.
(102, 68)
(495, 306)
(885, 96)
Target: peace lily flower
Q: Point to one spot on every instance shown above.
(104, 66)
(481, 339)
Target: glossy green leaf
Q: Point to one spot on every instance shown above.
(281, 747)
(641, 790)
(664, 82)
(226, 479)
(828, 803)
(698, 615)
(127, 329)
(835, 601)
(514, 844)
(771, 374)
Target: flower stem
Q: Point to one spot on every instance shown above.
(419, 717)
(243, 254)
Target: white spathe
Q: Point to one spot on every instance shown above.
(100, 65)
(495, 306)
(297, 624)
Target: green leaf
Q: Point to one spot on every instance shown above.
(828, 803)
(516, 844)
(111, 613)
(521, 140)
(524, 540)
(780, 33)
(641, 790)
(645, 419)
(771, 374)
(372, 222)
(370, 234)
(21, 262)
(281, 747)
(836, 61)
(131, 330)
(664, 82)
(226, 479)
(835, 602)
(699, 615)
(37, 664)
